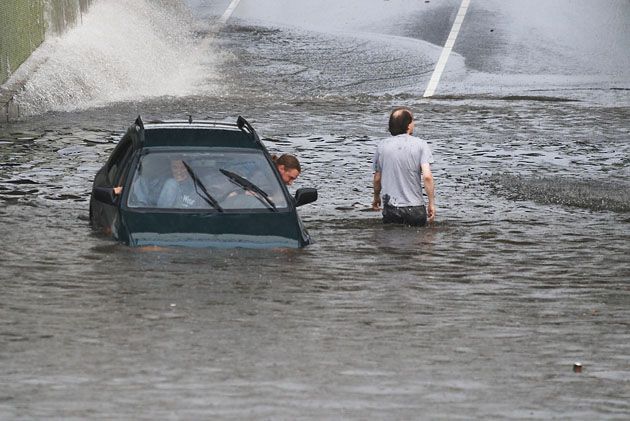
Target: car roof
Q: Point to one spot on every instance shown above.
(200, 133)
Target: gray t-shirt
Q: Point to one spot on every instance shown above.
(398, 159)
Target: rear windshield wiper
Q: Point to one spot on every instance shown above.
(206, 194)
(259, 193)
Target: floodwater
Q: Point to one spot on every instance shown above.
(481, 315)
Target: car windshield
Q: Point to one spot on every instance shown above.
(198, 180)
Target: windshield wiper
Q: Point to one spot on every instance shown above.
(206, 195)
(259, 193)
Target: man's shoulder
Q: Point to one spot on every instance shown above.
(397, 141)
(418, 140)
(170, 184)
(421, 143)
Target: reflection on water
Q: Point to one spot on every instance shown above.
(481, 315)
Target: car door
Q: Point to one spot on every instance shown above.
(114, 173)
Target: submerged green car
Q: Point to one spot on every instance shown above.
(197, 184)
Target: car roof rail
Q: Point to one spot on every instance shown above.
(247, 128)
(137, 138)
(137, 131)
(139, 122)
(244, 125)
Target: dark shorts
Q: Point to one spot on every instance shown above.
(408, 215)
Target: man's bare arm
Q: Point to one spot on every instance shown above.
(376, 201)
(429, 188)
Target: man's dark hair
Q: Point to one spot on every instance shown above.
(289, 161)
(399, 121)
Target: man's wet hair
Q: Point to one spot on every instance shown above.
(399, 120)
(289, 161)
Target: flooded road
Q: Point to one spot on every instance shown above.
(481, 315)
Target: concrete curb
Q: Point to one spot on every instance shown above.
(56, 17)
(9, 109)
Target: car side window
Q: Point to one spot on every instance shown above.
(123, 168)
(111, 173)
(118, 161)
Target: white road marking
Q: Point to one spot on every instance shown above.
(446, 51)
(228, 12)
(217, 26)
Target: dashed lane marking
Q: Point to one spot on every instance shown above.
(446, 51)
(228, 12)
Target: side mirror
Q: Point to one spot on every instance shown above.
(305, 195)
(104, 195)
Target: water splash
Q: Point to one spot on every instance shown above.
(124, 50)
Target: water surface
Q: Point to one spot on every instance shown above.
(481, 315)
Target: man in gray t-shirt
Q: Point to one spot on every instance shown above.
(401, 164)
